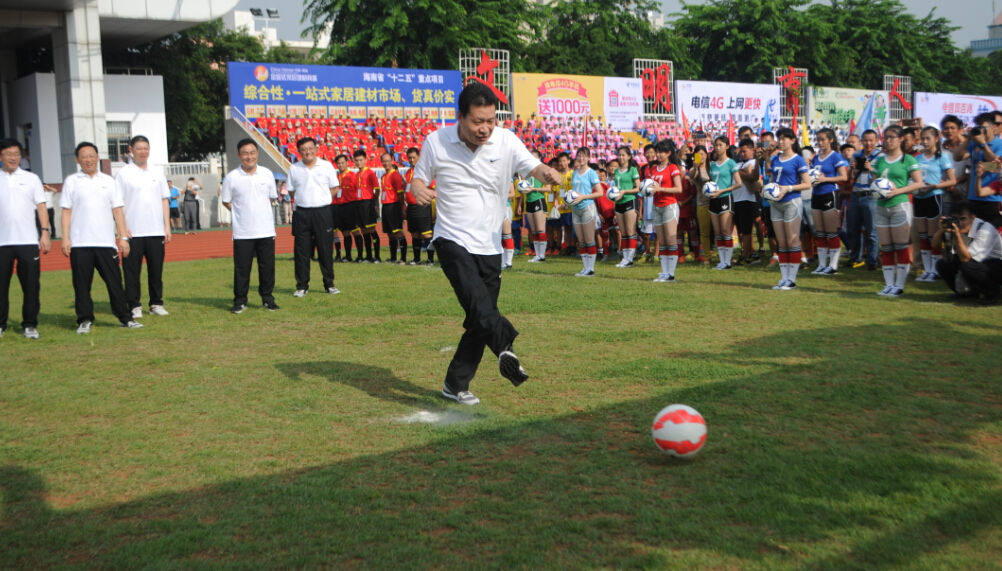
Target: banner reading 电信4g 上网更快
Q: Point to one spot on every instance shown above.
(618, 101)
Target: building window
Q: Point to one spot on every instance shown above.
(119, 133)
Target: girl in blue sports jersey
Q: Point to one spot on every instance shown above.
(788, 169)
(824, 203)
(937, 174)
(583, 212)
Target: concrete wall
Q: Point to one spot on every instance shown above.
(32, 100)
(139, 99)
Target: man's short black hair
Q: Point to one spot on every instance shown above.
(138, 139)
(413, 150)
(341, 156)
(847, 146)
(476, 94)
(746, 143)
(960, 207)
(8, 143)
(870, 132)
(244, 142)
(359, 153)
(986, 117)
(743, 129)
(767, 134)
(304, 140)
(951, 119)
(84, 144)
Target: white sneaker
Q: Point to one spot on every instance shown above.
(462, 397)
(536, 260)
(896, 292)
(780, 285)
(84, 327)
(819, 270)
(132, 325)
(30, 333)
(788, 286)
(886, 290)
(332, 290)
(137, 313)
(299, 293)
(659, 279)
(158, 310)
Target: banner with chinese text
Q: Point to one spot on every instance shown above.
(283, 90)
(932, 107)
(708, 105)
(842, 108)
(618, 101)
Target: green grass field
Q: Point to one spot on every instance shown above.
(845, 430)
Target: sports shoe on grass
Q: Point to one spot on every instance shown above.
(238, 308)
(271, 306)
(158, 310)
(132, 324)
(332, 290)
(299, 293)
(462, 397)
(511, 367)
(30, 333)
(137, 313)
(84, 327)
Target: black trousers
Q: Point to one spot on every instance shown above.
(984, 277)
(151, 248)
(477, 283)
(189, 210)
(313, 227)
(83, 262)
(28, 273)
(244, 252)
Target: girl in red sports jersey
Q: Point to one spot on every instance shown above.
(667, 178)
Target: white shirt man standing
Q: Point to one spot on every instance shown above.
(92, 213)
(21, 197)
(248, 192)
(473, 163)
(146, 199)
(313, 183)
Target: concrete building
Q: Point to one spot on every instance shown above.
(248, 23)
(74, 100)
(993, 43)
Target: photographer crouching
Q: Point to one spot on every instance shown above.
(972, 254)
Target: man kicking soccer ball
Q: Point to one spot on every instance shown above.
(473, 163)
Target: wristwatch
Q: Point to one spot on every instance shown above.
(47, 230)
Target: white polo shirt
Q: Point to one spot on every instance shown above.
(143, 192)
(20, 194)
(249, 197)
(472, 187)
(983, 241)
(91, 201)
(313, 185)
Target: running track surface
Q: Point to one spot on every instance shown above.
(198, 246)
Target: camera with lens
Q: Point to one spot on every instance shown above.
(947, 222)
(975, 131)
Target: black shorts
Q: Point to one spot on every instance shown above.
(770, 232)
(535, 206)
(344, 217)
(824, 202)
(363, 214)
(418, 218)
(393, 217)
(175, 212)
(624, 207)
(722, 204)
(931, 207)
(745, 212)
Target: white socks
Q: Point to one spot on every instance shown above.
(901, 275)
(540, 250)
(833, 256)
(822, 257)
(888, 275)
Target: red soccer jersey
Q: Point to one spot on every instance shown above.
(408, 197)
(663, 177)
(349, 187)
(392, 185)
(606, 208)
(687, 210)
(367, 182)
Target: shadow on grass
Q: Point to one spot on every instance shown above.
(817, 458)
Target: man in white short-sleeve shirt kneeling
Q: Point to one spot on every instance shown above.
(472, 164)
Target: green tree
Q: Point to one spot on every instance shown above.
(423, 34)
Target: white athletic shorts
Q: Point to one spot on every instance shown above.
(786, 211)
(586, 215)
(665, 214)
(507, 213)
(891, 216)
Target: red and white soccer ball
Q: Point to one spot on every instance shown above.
(679, 430)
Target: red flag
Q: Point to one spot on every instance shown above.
(852, 125)
(731, 135)
(685, 125)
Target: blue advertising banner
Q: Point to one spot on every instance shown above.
(286, 90)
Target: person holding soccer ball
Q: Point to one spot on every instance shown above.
(834, 169)
(725, 173)
(473, 163)
(667, 188)
(789, 171)
(627, 179)
(587, 188)
(893, 218)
